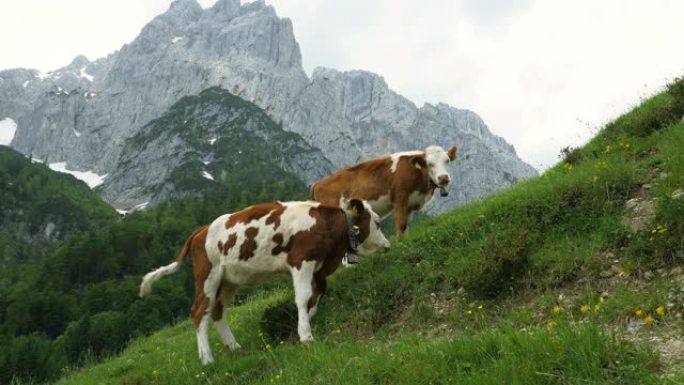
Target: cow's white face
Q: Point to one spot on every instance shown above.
(376, 240)
(438, 162)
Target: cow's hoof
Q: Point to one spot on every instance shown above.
(234, 346)
(306, 341)
(207, 360)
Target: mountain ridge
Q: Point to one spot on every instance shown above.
(251, 52)
(222, 137)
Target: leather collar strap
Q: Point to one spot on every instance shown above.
(352, 233)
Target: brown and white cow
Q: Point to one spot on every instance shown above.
(402, 182)
(306, 239)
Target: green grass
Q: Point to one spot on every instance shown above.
(569, 354)
(469, 296)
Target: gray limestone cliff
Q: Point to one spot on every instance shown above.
(85, 113)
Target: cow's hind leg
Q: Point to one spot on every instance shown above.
(302, 280)
(319, 287)
(204, 301)
(218, 315)
(201, 320)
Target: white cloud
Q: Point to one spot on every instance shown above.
(542, 73)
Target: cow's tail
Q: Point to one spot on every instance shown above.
(154, 275)
(312, 195)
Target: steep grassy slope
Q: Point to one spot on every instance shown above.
(573, 277)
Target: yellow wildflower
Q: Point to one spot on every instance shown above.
(556, 309)
(480, 307)
(597, 307)
(660, 310)
(277, 377)
(552, 325)
(470, 312)
(602, 300)
(585, 308)
(639, 313)
(338, 330)
(648, 320)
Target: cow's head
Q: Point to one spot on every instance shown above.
(437, 161)
(371, 238)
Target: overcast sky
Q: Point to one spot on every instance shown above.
(543, 74)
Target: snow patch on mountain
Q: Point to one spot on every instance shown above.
(8, 127)
(90, 178)
(82, 73)
(207, 175)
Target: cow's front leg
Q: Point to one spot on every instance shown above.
(400, 214)
(302, 281)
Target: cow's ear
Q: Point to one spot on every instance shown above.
(418, 162)
(356, 207)
(452, 152)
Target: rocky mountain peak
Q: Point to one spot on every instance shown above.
(79, 62)
(185, 6)
(183, 10)
(226, 9)
(84, 113)
(325, 73)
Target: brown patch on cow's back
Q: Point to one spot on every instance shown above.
(368, 180)
(224, 248)
(249, 245)
(274, 217)
(280, 247)
(254, 213)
